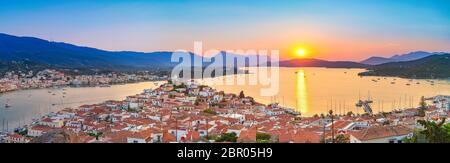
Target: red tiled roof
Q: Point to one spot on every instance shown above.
(376, 132)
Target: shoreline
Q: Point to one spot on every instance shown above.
(79, 86)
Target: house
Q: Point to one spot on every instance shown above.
(38, 130)
(16, 138)
(144, 136)
(300, 137)
(56, 123)
(381, 134)
(247, 135)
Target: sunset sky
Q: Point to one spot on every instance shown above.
(326, 29)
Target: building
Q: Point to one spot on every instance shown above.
(38, 130)
(381, 134)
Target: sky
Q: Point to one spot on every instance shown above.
(325, 29)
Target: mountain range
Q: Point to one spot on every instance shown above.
(434, 66)
(24, 53)
(399, 58)
(63, 55)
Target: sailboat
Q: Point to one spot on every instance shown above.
(7, 105)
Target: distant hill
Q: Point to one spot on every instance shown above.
(321, 63)
(399, 58)
(65, 55)
(434, 66)
(376, 60)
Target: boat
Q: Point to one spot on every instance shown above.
(408, 84)
(49, 91)
(54, 94)
(105, 85)
(417, 83)
(64, 93)
(392, 82)
(7, 105)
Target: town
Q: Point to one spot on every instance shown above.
(186, 112)
(49, 78)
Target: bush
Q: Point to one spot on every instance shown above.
(227, 137)
(262, 136)
(210, 111)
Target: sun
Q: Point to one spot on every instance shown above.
(301, 52)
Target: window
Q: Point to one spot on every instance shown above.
(135, 141)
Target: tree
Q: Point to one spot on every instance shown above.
(322, 116)
(332, 125)
(434, 132)
(210, 111)
(263, 137)
(196, 103)
(416, 138)
(447, 127)
(349, 114)
(423, 104)
(241, 94)
(341, 139)
(227, 137)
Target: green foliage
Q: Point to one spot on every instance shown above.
(96, 135)
(416, 138)
(435, 66)
(133, 110)
(263, 138)
(210, 111)
(350, 113)
(227, 137)
(23, 132)
(211, 137)
(435, 132)
(338, 139)
(423, 103)
(447, 127)
(182, 85)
